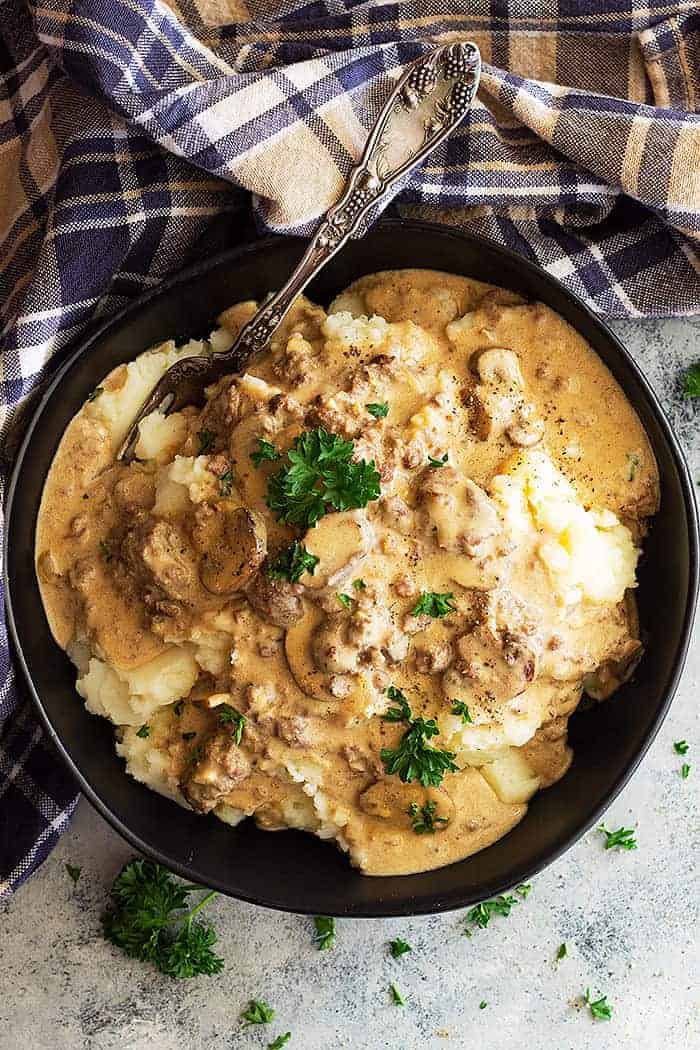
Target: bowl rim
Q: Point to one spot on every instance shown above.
(383, 907)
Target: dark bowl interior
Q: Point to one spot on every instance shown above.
(291, 870)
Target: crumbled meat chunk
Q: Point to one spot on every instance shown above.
(158, 554)
(275, 600)
(490, 668)
(297, 731)
(462, 514)
(221, 767)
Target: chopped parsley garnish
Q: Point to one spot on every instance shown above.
(481, 914)
(600, 1008)
(226, 483)
(562, 951)
(435, 463)
(633, 462)
(483, 1004)
(378, 410)
(149, 919)
(230, 716)
(622, 838)
(105, 550)
(280, 1041)
(685, 770)
(144, 731)
(74, 872)
(95, 393)
(359, 585)
(399, 948)
(691, 381)
(345, 600)
(291, 563)
(524, 890)
(178, 707)
(189, 736)
(206, 441)
(414, 758)
(681, 747)
(325, 932)
(423, 819)
(461, 709)
(265, 450)
(257, 1012)
(402, 713)
(320, 476)
(435, 605)
(396, 996)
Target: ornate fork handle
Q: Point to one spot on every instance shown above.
(429, 100)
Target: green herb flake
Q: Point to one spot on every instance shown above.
(681, 747)
(105, 550)
(481, 914)
(562, 951)
(320, 476)
(280, 1041)
(93, 396)
(230, 716)
(345, 600)
(396, 996)
(600, 1008)
(399, 947)
(178, 707)
(436, 463)
(359, 585)
(189, 736)
(149, 918)
(435, 605)
(206, 441)
(325, 932)
(483, 1004)
(524, 890)
(265, 451)
(461, 709)
(74, 872)
(414, 758)
(378, 410)
(226, 482)
(633, 464)
(144, 732)
(423, 819)
(257, 1012)
(691, 381)
(685, 770)
(291, 563)
(623, 838)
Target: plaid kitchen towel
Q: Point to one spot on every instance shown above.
(136, 136)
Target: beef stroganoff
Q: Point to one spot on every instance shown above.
(361, 591)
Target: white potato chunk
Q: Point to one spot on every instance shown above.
(511, 777)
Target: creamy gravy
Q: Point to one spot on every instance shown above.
(155, 576)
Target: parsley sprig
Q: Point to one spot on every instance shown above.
(481, 913)
(148, 918)
(691, 381)
(265, 450)
(229, 715)
(414, 758)
(257, 1012)
(280, 1041)
(433, 604)
(399, 947)
(378, 409)
(461, 709)
(320, 476)
(291, 563)
(623, 838)
(423, 818)
(325, 932)
(600, 1008)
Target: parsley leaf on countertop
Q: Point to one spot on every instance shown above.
(562, 951)
(524, 890)
(396, 995)
(691, 381)
(399, 947)
(481, 913)
(622, 838)
(681, 747)
(147, 904)
(291, 563)
(280, 1041)
(257, 1012)
(483, 1004)
(435, 605)
(685, 770)
(600, 1008)
(325, 932)
(320, 476)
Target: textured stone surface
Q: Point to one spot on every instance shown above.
(629, 920)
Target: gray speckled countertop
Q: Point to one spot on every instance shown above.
(630, 920)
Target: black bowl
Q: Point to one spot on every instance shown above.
(291, 870)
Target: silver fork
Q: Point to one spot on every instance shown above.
(429, 100)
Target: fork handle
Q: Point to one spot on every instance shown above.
(429, 100)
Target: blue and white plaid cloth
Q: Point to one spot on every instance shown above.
(137, 136)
